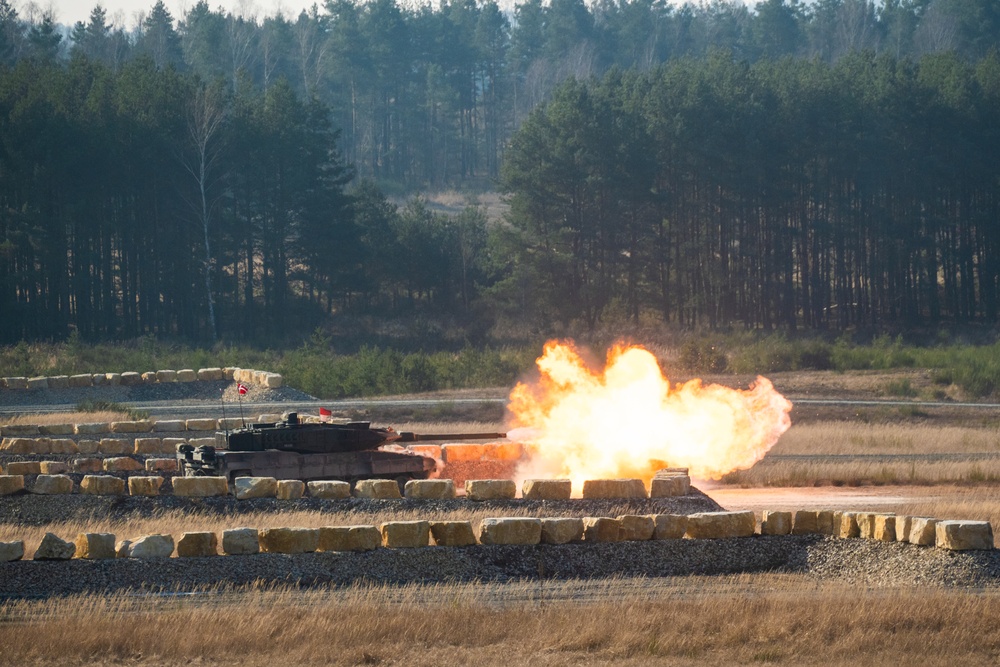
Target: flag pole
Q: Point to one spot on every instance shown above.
(240, 390)
(222, 400)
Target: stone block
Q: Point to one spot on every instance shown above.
(866, 525)
(288, 540)
(272, 380)
(594, 489)
(52, 485)
(100, 379)
(115, 446)
(88, 446)
(503, 451)
(53, 467)
(63, 446)
(165, 376)
(715, 525)
(963, 535)
(775, 523)
(903, 524)
(38, 383)
(849, 525)
(186, 375)
(510, 531)
(170, 444)
(197, 544)
(245, 488)
(546, 489)
(405, 534)
(669, 526)
(92, 428)
(377, 488)
(923, 531)
(561, 530)
(134, 426)
(16, 382)
(452, 533)
(102, 485)
(885, 528)
(148, 445)
(43, 445)
(95, 546)
(329, 489)
(490, 489)
(210, 374)
(82, 380)
(11, 551)
(121, 464)
(825, 524)
(24, 468)
(55, 429)
(601, 529)
(201, 424)
(150, 547)
(200, 487)
(636, 527)
(169, 426)
(804, 522)
(58, 382)
(54, 548)
(349, 538)
(18, 445)
(229, 423)
(458, 452)
(20, 430)
(161, 465)
(201, 442)
(429, 489)
(10, 483)
(88, 464)
(670, 486)
(121, 549)
(131, 378)
(240, 541)
(290, 489)
(144, 485)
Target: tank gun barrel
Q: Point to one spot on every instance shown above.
(407, 436)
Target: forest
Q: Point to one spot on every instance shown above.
(819, 166)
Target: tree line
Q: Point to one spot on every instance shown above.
(429, 96)
(777, 195)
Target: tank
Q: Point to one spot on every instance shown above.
(292, 449)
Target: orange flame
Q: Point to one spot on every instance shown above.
(628, 421)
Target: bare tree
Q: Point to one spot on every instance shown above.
(206, 114)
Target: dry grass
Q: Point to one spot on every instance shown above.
(747, 619)
(858, 473)
(853, 438)
(65, 418)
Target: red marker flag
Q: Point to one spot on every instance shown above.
(241, 388)
(325, 415)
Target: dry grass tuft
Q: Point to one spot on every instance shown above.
(65, 417)
(692, 620)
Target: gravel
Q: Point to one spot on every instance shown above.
(855, 562)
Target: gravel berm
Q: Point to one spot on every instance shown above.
(857, 562)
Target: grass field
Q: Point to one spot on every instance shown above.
(739, 620)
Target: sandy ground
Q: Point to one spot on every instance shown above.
(880, 498)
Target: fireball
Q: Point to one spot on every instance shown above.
(629, 421)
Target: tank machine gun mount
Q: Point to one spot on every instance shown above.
(292, 449)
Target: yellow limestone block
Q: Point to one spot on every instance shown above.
(601, 529)
(430, 489)
(349, 538)
(406, 534)
(200, 487)
(102, 485)
(289, 540)
(613, 488)
(377, 488)
(490, 489)
(963, 535)
(452, 533)
(245, 488)
(775, 523)
(636, 527)
(715, 525)
(546, 489)
(562, 530)
(144, 485)
(510, 531)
